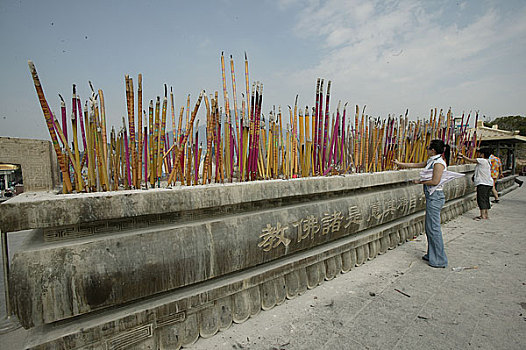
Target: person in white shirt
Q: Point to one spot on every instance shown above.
(438, 154)
(482, 180)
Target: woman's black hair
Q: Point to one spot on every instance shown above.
(441, 148)
(486, 152)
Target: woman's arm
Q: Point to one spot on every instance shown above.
(409, 165)
(438, 170)
(469, 160)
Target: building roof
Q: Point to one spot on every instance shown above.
(8, 167)
(495, 134)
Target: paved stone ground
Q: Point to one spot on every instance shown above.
(396, 301)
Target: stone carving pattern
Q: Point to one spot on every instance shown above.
(126, 339)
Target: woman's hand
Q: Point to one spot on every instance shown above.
(469, 160)
(417, 182)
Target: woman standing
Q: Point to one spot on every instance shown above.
(483, 181)
(438, 159)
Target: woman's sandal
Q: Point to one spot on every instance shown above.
(478, 218)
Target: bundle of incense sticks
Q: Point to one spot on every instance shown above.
(314, 141)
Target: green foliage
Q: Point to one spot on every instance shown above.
(510, 123)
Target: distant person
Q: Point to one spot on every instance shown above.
(483, 181)
(496, 173)
(438, 159)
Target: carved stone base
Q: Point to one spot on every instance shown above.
(176, 319)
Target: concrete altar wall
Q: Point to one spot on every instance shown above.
(37, 159)
(162, 267)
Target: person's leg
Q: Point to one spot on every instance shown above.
(484, 200)
(494, 190)
(479, 202)
(435, 243)
(427, 222)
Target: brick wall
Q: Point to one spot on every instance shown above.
(37, 159)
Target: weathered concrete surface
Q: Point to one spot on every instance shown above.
(483, 308)
(36, 158)
(182, 244)
(506, 184)
(179, 318)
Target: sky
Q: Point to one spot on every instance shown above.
(388, 55)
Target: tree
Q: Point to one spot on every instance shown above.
(510, 123)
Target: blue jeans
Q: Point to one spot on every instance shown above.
(435, 244)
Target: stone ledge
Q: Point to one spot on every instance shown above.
(31, 210)
(178, 318)
(52, 281)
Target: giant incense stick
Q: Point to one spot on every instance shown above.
(234, 97)
(151, 142)
(131, 123)
(103, 125)
(49, 122)
(162, 130)
(139, 131)
(194, 114)
(80, 183)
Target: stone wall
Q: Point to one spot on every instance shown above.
(37, 160)
(159, 268)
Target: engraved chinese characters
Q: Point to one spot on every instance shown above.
(327, 222)
(271, 237)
